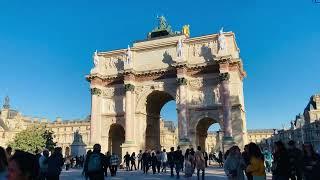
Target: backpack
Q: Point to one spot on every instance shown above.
(94, 163)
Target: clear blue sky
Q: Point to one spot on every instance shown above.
(46, 49)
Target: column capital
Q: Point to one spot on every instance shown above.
(182, 81)
(96, 91)
(224, 77)
(129, 87)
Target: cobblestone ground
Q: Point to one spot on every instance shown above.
(212, 173)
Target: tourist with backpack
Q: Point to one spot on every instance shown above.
(95, 164)
(114, 162)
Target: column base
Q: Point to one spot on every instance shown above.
(184, 144)
(130, 147)
(228, 142)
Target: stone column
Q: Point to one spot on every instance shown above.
(226, 105)
(95, 123)
(129, 116)
(182, 110)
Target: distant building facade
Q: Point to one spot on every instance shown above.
(305, 128)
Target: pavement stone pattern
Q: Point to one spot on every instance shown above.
(212, 173)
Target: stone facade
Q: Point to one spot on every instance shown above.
(12, 122)
(259, 135)
(203, 75)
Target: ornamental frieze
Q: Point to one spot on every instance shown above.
(108, 92)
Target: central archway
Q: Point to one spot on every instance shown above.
(116, 138)
(155, 101)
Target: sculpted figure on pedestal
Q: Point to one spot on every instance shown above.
(128, 57)
(179, 48)
(96, 59)
(222, 40)
(216, 94)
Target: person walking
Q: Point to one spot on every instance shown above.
(107, 156)
(205, 155)
(295, 156)
(171, 160)
(95, 164)
(139, 156)
(188, 162)
(154, 162)
(114, 162)
(280, 164)
(220, 159)
(146, 159)
(3, 164)
(55, 163)
(127, 160)
(158, 155)
(164, 160)
(234, 164)
(256, 166)
(267, 159)
(133, 161)
(68, 162)
(199, 162)
(311, 163)
(43, 164)
(178, 161)
(246, 158)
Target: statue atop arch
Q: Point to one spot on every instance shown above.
(6, 104)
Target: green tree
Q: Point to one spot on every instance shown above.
(48, 136)
(32, 139)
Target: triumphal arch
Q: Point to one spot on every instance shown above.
(203, 75)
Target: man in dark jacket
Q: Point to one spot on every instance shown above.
(55, 163)
(171, 160)
(95, 164)
(146, 160)
(178, 160)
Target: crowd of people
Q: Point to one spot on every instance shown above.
(285, 162)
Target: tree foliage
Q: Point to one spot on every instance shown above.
(32, 139)
(48, 136)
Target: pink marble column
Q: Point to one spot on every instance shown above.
(182, 109)
(129, 116)
(224, 77)
(95, 127)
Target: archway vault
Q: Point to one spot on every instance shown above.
(202, 128)
(116, 138)
(154, 103)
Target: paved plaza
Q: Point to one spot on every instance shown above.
(212, 173)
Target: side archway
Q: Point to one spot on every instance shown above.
(202, 133)
(116, 138)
